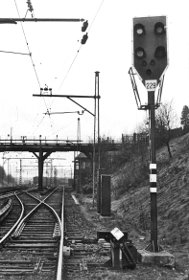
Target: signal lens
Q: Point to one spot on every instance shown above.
(139, 29)
(159, 28)
(140, 53)
(160, 52)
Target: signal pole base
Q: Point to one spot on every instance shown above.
(162, 258)
(152, 248)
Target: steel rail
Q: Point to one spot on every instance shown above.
(34, 209)
(4, 238)
(5, 209)
(6, 195)
(61, 227)
(60, 258)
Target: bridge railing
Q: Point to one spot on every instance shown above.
(26, 141)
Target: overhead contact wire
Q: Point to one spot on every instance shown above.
(30, 54)
(73, 61)
(99, 8)
(69, 68)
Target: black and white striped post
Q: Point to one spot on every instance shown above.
(153, 172)
(153, 198)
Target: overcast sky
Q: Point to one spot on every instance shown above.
(69, 68)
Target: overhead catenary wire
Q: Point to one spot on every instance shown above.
(97, 12)
(30, 54)
(76, 55)
(69, 68)
(32, 61)
(72, 62)
(78, 51)
(38, 125)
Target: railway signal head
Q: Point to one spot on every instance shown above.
(150, 47)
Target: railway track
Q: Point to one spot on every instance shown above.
(8, 224)
(33, 250)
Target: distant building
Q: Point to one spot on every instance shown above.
(84, 161)
(82, 170)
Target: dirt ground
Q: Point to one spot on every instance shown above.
(180, 271)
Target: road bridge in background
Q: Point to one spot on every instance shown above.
(43, 148)
(35, 145)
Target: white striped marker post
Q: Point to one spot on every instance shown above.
(153, 178)
(153, 196)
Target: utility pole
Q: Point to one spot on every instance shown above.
(78, 131)
(94, 148)
(20, 181)
(98, 132)
(79, 170)
(8, 171)
(43, 93)
(97, 89)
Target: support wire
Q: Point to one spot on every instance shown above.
(30, 54)
(33, 64)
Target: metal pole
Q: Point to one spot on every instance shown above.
(98, 131)
(97, 81)
(40, 170)
(74, 173)
(20, 182)
(94, 143)
(3, 171)
(51, 174)
(14, 20)
(153, 175)
(65, 95)
(47, 174)
(8, 172)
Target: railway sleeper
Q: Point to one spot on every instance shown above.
(17, 267)
(16, 272)
(34, 241)
(15, 261)
(32, 245)
(22, 272)
(45, 220)
(49, 234)
(38, 238)
(40, 225)
(44, 231)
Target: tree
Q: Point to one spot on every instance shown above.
(185, 118)
(165, 121)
